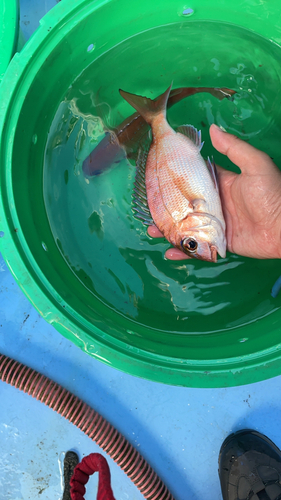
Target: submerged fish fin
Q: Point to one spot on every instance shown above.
(113, 137)
(104, 155)
(148, 108)
(140, 205)
(192, 133)
(222, 93)
(213, 171)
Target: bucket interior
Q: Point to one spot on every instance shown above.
(95, 261)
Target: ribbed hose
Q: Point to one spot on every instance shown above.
(89, 421)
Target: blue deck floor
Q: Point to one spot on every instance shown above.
(178, 430)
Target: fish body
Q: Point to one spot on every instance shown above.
(124, 139)
(180, 188)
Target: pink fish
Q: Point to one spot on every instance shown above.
(175, 189)
(124, 140)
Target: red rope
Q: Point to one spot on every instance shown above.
(95, 462)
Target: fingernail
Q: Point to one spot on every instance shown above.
(219, 128)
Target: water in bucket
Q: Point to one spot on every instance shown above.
(106, 248)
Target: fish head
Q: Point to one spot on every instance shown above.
(204, 242)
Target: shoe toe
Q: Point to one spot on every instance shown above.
(250, 467)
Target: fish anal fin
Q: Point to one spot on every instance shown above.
(213, 171)
(192, 133)
(140, 205)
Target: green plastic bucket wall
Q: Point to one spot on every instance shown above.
(11, 38)
(72, 243)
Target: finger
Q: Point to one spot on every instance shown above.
(249, 159)
(176, 254)
(154, 232)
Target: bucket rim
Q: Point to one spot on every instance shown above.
(9, 32)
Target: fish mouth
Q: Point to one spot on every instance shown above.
(220, 246)
(214, 256)
(209, 255)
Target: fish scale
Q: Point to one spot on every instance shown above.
(160, 215)
(181, 158)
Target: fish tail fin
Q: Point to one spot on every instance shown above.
(146, 107)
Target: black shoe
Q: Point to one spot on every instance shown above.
(70, 461)
(250, 467)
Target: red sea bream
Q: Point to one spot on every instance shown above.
(175, 188)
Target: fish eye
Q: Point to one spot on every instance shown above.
(189, 245)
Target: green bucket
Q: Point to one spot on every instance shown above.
(11, 38)
(72, 243)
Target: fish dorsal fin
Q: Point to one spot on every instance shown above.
(140, 205)
(213, 171)
(192, 133)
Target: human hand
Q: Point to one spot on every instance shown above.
(251, 200)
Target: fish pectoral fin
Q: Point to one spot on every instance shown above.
(192, 133)
(224, 92)
(213, 171)
(199, 205)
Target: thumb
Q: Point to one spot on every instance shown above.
(250, 160)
